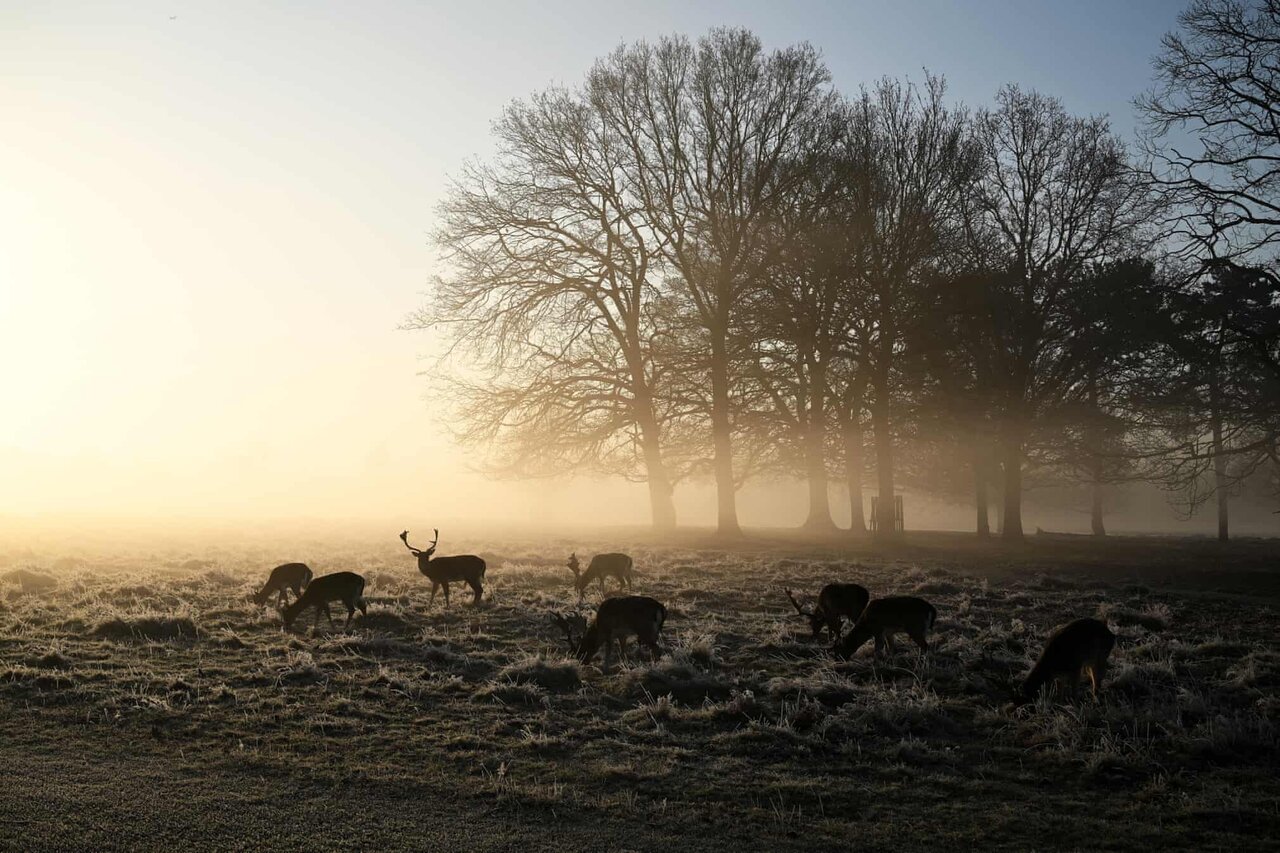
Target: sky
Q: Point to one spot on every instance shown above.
(214, 217)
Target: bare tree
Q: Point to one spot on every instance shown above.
(1211, 406)
(1212, 124)
(908, 158)
(719, 135)
(1056, 197)
(797, 324)
(552, 303)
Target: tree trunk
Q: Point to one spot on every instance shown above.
(980, 498)
(661, 500)
(1012, 527)
(853, 475)
(1096, 464)
(884, 459)
(1220, 477)
(815, 454)
(1095, 510)
(816, 471)
(722, 441)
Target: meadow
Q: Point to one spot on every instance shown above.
(146, 702)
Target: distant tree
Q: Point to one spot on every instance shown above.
(908, 158)
(718, 136)
(1212, 123)
(553, 304)
(1057, 197)
(1212, 140)
(1100, 444)
(1212, 406)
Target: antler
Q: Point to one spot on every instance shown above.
(404, 537)
(565, 625)
(434, 541)
(795, 603)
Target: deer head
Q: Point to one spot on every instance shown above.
(815, 618)
(574, 564)
(404, 537)
(574, 625)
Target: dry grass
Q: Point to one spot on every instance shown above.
(743, 733)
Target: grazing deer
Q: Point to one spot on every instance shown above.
(883, 618)
(467, 568)
(1077, 649)
(602, 566)
(835, 601)
(347, 587)
(294, 576)
(616, 619)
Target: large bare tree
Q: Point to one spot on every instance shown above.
(719, 135)
(1212, 124)
(1056, 197)
(552, 303)
(908, 160)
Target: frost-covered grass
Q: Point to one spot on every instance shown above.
(744, 728)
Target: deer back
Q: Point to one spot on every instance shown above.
(898, 613)
(463, 567)
(632, 614)
(339, 586)
(1081, 643)
(607, 565)
(843, 599)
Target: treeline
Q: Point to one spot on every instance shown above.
(704, 261)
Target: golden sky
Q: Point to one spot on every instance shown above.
(214, 216)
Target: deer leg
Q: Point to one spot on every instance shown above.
(315, 626)
(608, 651)
(446, 595)
(622, 646)
(888, 641)
(879, 645)
(1099, 672)
(435, 586)
(478, 589)
(351, 612)
(918, 636)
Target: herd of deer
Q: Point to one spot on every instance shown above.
(1075, 651)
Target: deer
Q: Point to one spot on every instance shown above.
(294, 576)
(442, 571)
(836, 601)
(347, 587)
(1074, 651)
(602, 566)
(884, 617)
(616, 619)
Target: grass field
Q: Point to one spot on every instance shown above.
(145, 702)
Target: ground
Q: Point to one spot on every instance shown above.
(146, 703)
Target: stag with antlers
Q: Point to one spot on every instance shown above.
(836, 601)
(442, 571)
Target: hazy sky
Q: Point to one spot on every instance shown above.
(213, 217)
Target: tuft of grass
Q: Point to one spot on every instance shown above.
(146, 628)
(677, 676)
(51, 659)
(29, 581)
(509, 693)
(1153, 617)
(557, 676)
